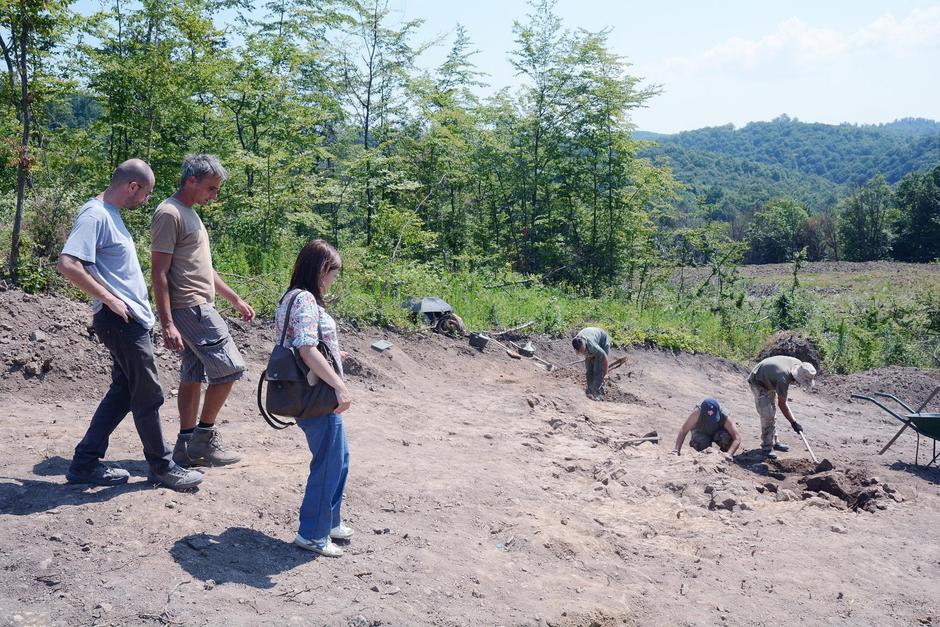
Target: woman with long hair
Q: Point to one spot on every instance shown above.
(316, 267)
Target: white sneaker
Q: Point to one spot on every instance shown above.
(327, 550)
(341, 532)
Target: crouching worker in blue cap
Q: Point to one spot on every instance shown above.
(709, 425)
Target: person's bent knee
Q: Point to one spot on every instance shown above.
(147, 401)
(699, 442)
(724, 440)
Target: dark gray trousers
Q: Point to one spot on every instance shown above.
(135, 388)
(595, 379)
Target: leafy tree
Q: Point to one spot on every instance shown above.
(543, 57)
(30, 31)
(376, 61)
(819, 235)
(865, 220)
(918, 199)
(773, 236)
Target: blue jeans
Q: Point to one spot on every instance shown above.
(135, 388)
(323, 497)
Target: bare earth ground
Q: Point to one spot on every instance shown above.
(484, 491)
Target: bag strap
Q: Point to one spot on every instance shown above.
(290, 305)
(332, 359)
(274, 422)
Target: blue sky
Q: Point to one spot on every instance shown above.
(832, 61)
(732, 61)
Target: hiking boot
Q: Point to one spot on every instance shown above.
(99, 475)
(180, 458)
(202, 448)
(176, 478)
(327, 550)
(341, 532)
(783, 448)
(769, 453)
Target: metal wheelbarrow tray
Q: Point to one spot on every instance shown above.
(925, 424)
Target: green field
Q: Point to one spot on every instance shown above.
(861, 316)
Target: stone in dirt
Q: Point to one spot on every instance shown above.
(866, 500)
(824, 466)
(723, 500)
(791, 344)
(828, 482)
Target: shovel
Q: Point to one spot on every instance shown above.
(652, 436)
(548, 366)
(509, 351)
(811, 453)
(617, 363)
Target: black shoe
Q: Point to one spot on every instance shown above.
(769, 453)
(99, 475)
(783, 448)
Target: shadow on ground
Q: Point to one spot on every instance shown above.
(57, 466)
(238, 555)
(931, 474)
(22, 497)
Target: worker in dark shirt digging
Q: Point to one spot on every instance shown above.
(593, 344)
(709, 425)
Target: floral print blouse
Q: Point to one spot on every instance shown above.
(302, 327)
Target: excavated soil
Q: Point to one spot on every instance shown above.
(483, 490)
(791, 344)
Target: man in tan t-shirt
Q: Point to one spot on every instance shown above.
(184, 287)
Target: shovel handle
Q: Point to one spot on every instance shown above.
(808, 448)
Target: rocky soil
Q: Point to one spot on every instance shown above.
(483, 490)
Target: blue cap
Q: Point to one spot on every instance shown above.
(710, 410)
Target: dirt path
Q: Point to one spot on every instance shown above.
(483, 491)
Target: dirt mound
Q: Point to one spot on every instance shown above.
(48, 347)
(911, 385)
(791, 344)
(45, 338)
(850, 488)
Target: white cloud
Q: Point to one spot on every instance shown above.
(797, 42)
(920, 28)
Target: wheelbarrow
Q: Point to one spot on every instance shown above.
(923, 423)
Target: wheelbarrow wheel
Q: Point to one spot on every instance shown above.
(451, 324)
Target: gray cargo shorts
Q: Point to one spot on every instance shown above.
(210, 354)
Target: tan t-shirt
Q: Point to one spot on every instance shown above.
(176, 229)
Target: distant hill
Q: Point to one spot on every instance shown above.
(814, 163)
(739, 183)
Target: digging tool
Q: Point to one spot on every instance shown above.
(652, 436)
(509, 351)
(515, 329)
(616, 363)
(548, 366)
(526, 350)
(811, 453)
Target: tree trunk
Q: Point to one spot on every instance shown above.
(22, 168)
